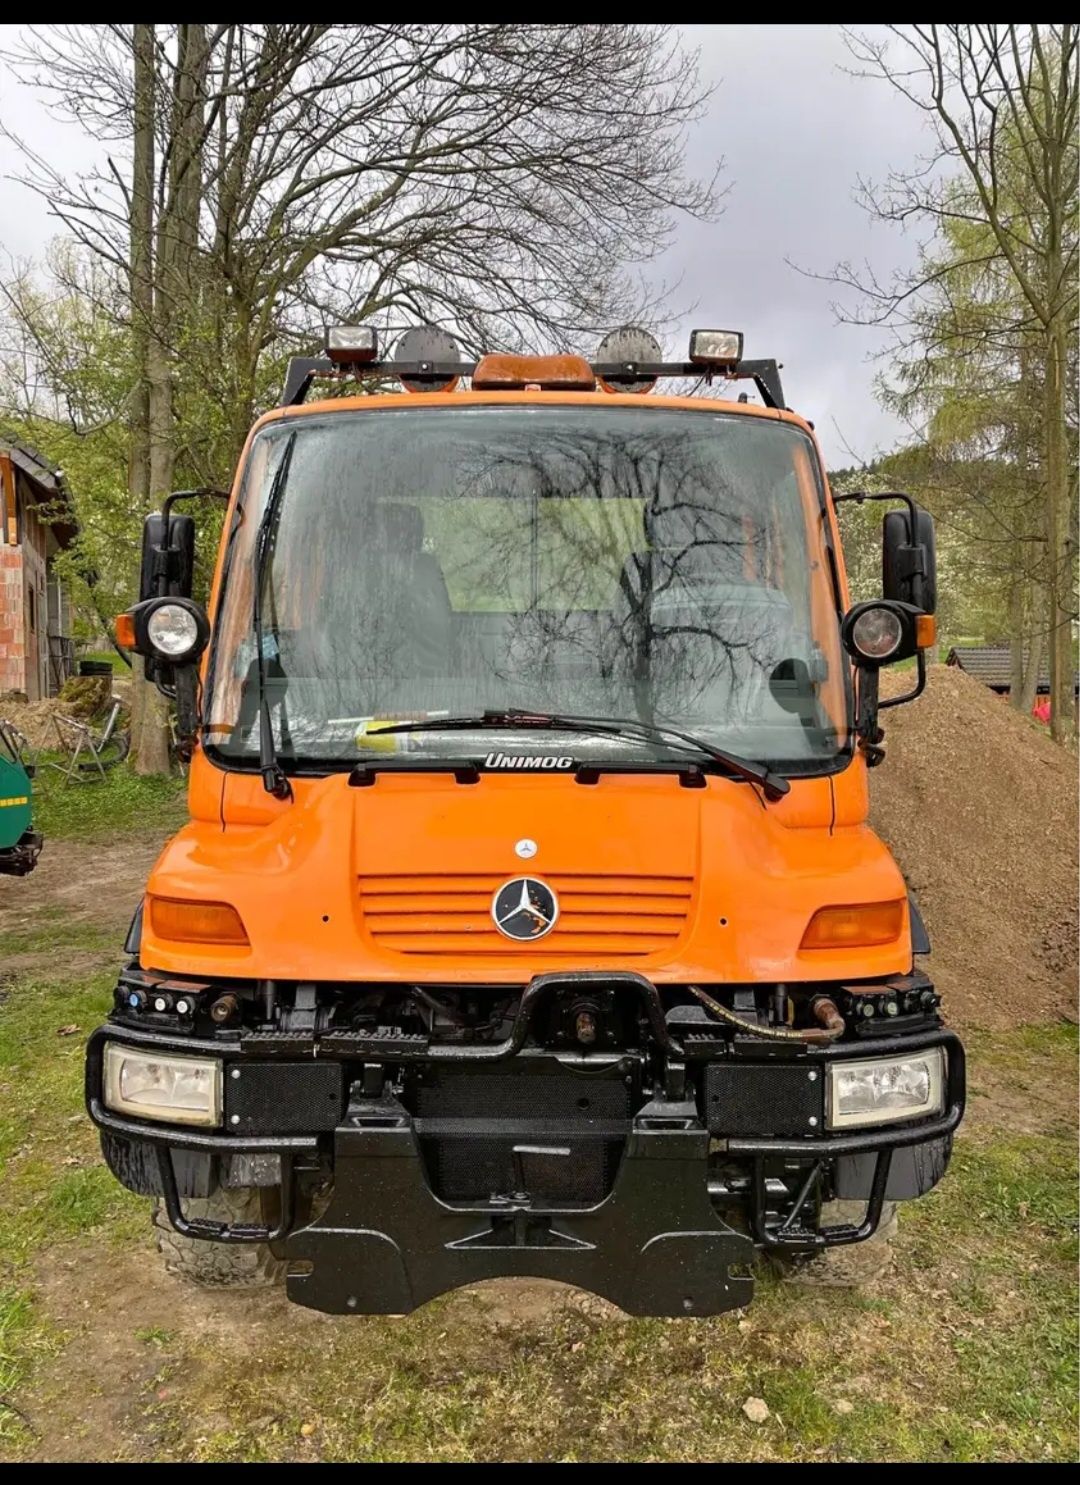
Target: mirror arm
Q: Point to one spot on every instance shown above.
(917, 690)
(205, 493)
(186, 697)
(867, 730)
(859, 496)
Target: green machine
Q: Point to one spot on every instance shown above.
(19, 845)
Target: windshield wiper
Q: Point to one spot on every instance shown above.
(773, 785)
(273, 775)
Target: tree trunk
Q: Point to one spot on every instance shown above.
(1059, 545)
(1017, 638)
(174, 287)
(142, 312)
(141, 240)
(1030, 688)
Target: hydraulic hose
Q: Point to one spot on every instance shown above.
(822, 1007)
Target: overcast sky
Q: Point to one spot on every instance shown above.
(795, 134)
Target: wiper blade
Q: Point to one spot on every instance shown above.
(774, 786)
(273, 775)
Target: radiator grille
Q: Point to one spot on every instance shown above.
(628, 916)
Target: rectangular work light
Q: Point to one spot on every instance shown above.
(348, 345)
(150, 1085)
(885, 1090)
(716, 347)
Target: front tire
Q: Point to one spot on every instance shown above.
(213, 1265)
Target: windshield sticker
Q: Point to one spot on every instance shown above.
(548, 762)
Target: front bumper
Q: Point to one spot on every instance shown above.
(674, 1235)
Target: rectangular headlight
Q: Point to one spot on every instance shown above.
(350, 343)
(149, 1085)
(716, 347)
(885, 1090)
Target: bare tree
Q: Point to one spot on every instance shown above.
(505, 180)
(1000, 183)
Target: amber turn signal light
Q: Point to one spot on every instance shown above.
(196, 922)
(925, 631)
(125, 631)
(854, 926)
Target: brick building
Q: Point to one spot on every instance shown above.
(37, 653)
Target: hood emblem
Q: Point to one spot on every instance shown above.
(524, 908)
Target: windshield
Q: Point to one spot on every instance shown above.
(651, 564)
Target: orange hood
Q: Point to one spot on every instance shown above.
(395, 881)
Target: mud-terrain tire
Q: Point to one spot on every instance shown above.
(853, 1266)
(219, 1265)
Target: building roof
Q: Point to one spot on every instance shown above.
(992, 664)
(49, 483)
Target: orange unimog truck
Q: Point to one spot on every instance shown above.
(528, 920)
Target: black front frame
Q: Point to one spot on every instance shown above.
(656, 1244)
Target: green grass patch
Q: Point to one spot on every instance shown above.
(122, 802)
(55, 930)
(52, 1184)
(108, 657)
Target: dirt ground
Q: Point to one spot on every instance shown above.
(81, 882)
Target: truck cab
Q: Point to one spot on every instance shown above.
(528, 920)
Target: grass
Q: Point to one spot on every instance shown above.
(109, 657)
(968, 1352)
(52, 1185)
(120, 803)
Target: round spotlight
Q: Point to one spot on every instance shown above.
(173, 630)
(877, 633)
(628, 346)
(427, 343)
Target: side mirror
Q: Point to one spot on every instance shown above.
(909, 558)
(168, 556)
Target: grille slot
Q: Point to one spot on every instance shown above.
(626, 916)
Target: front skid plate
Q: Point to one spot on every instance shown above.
(386, 1244)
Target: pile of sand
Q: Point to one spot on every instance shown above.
(980, 809)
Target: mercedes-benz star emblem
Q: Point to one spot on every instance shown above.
(525, 908)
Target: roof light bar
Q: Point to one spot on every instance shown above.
(427, 359)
